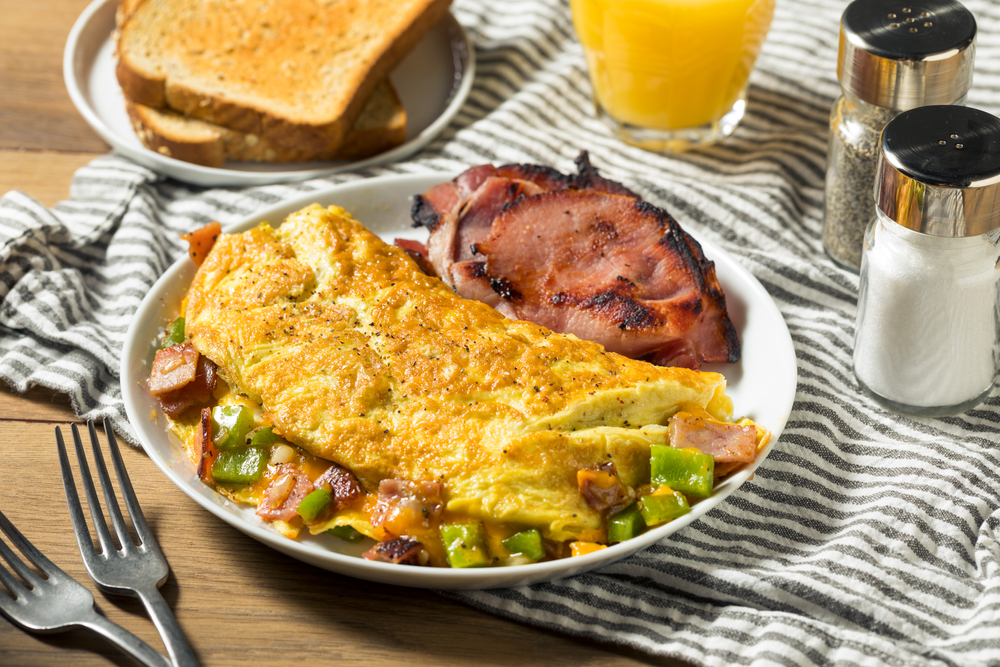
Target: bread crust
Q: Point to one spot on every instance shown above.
(380, 127)
(267, 115)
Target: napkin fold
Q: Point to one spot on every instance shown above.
(866, 538)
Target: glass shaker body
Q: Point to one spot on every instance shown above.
(927, 340)
(890, 59)
(852, 158)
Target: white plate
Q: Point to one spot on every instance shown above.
(762, 386)
(432, 81)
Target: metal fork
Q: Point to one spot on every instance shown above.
(134, 569)
(57, 602)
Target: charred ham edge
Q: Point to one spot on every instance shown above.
(173, 368)
(342, 484)
(417, 251)
(588, 178)
(282, 497)
(196, 392)
(727, 443)
(201, 240)
(403, 503)
(602, 489)
(399, 551)
(204, 446)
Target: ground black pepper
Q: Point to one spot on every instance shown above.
(855, 127)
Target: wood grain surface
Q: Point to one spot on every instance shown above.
(238, 602)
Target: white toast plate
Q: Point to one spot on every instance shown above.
(433, 82)
(762, 386)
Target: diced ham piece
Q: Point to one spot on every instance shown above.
(602, 489)
(403, 503)
(282, 497)
(204, 445)
(399, 550)
(342, 484)
(201, 240)
(196, 392)
(727, 443)
(173, 368)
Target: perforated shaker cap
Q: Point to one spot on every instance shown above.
(901, 54)
(939, 171)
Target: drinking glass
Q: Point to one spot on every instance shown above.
(669, 75)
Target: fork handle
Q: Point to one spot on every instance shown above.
(180, 651)
(125, 640)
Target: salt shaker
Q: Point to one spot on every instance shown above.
(894, 55)
(927, 340)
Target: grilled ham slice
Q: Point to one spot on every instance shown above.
(579, 254)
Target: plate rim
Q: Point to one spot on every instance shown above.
(441, 578)
(200, 175)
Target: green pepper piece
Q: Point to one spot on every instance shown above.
(626, 524)
(264, 436)
(686, 470)
(239, 466)
(230, 424)
(657, 509)
(347, 533)
(527, 543)
(173, 334)
(465, 544)
(313, 505)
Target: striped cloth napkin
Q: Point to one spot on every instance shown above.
(865, 538)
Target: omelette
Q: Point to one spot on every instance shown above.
(365, 366)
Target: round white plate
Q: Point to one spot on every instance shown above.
(762, 387)
(432, 81)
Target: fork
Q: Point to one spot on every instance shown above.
(136, 570)
(56, 602)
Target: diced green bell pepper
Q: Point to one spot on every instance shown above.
(173, 334)
(240, 465)
(465, 544)
(626, 524)
(347, 533)
(527, 543)
(264, 436)
(657, 509)
(313, 505)
(230, 425)
(686, 470)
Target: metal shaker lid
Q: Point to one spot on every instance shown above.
(939, 171)
(903, 54)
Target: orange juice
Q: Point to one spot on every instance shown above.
(670, 64)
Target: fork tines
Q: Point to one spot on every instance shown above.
(111, 502)
(17, 588)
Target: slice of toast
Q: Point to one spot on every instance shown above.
(381, 126)
(295, 73)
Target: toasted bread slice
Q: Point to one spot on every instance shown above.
(381, 126)
(295, 73)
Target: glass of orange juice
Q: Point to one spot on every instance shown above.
(669, 75)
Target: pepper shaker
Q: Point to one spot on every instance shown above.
(927, 340)
(894, 55)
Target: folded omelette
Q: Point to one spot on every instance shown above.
(357, 357)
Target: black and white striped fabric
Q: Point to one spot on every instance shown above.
(866, 538)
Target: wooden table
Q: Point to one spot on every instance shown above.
(237, 601)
